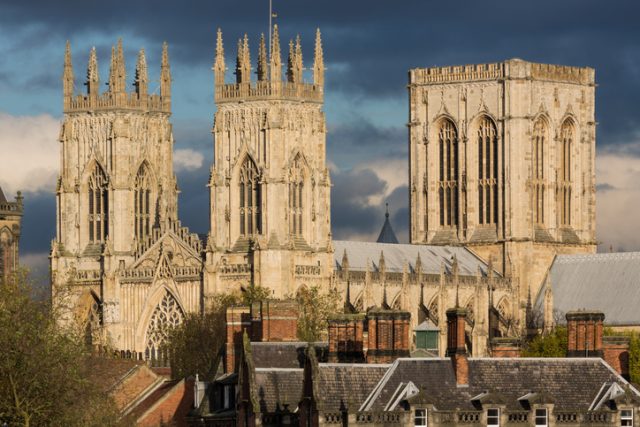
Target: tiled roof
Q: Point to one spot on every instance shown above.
(571, 383)
(284, 354)
(396, 255)
(608, 282)
(277, 388)
(347, 385)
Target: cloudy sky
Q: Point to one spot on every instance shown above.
(369, 46)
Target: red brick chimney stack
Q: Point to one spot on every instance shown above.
(456, 348)
(238, 320)
(584, 329)
(388, 336)
(346, 338)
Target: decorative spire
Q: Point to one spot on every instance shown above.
(387, 234)
(219, 66)
(262, 60)
(93, 78)
(239, 62)
(165, 77)
(112, 70)
(318, 62)
(385, 304)
(290, 63)
(121, 72)
(345, 261)
(298, 60)
(382, 266)
(246, 66)
(276, 61)
(142, 78)
(67, 76)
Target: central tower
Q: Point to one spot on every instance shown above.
(270, 187)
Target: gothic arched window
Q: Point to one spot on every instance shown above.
(537, 169)
(564, 193)
(142, 203)
(98, 206)
(487, 172)
(167, 315)
(448, 182)
(250, 199)
(296, 197)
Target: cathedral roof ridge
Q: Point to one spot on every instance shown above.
(572, 258)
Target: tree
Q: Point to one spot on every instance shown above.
(634, 351)
(44, 368)
(315, 307)
(553, 344)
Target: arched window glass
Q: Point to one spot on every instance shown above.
(250, 199)
(98, 206)
(167, 315)
(564, 194)
(487, 172)
(142, 203)
(537, 169)
(448, 182)
(296, 197)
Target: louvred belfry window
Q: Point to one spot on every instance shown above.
(487, 172)
(98, 206)
(250, 199)
(448, 182)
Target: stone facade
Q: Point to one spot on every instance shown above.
(10, 221)
(121, 260)
(270, 186)
(502, 160)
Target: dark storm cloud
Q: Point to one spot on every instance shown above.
(38, 223)
(358, 139)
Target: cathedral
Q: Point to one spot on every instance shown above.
(501, 179)
(10, 222)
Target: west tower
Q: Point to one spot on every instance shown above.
(269, 186)
(502, 160)
(121, 258)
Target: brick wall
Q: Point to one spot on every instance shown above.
(237, 321)
(346, 338)
(505, 347)
(273, 320)
(584, 333)
(388, 335)
(170, 409)
(616, 353)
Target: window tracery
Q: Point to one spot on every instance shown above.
(448, 182)
(167, 315)
(487, 172)
(250, 199)
(142, 203)
(98, 206)
(565, 184)
(537, 168)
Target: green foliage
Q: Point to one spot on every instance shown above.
(195, 346)
(45, 369)
(255, 294)
(315, 307)
(553, 344)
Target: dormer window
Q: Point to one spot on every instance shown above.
(493, 417)
(542, 419)
(626, 417)
(420, 418)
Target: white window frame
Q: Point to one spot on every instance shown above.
(496, 415)
(226, 403)
(421, 417)
(536, 416)
(626, 417)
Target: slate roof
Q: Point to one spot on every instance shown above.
(395, 256)
(386, 234)
(277, 387)
(285, 354)
(346, 384)
(608, 282)
(570, 383)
